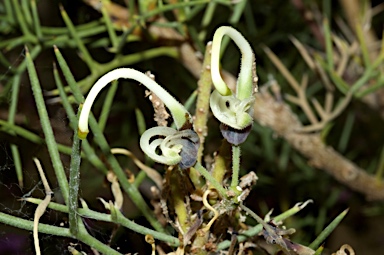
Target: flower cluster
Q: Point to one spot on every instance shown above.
(179, 146)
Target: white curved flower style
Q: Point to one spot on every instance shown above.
(175, 146)
(179, 113)
(234, 111)
(245, 80)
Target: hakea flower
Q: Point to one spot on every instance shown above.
(163, 144)
(233, 110)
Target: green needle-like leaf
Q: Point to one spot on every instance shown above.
(327, 231)
(100, 139)
(47, 128)
(85, 54)
(11, 120)
(74, 182)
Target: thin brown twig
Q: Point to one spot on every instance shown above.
(329, 117)
(278, 116)
(299, 89)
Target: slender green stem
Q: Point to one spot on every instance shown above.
(100, 139)
(339, 82)
(212, 180)
(57, 231)
(378, 84)
(129, 188)
(47, 128)
(141, 126)
(346, 133)
(368, 74)
(120, 219)
(80, 28)
(328, 230)
(109, 25)
(236, 151)
(206, 20)
(107, 105)
(74, 181)
(16, 130)
(20, 18)
(139, 178)
(132, 10)
(16, 41)
(8, 11)
(363, 45)
(34, 53)
(257, 229)
(28, 225)
(11, 120)
(88, 150)
(84, 237)
(36, 20)
(237, 12)
(66, 39)
(85, 54)
(25, 8)
(69, 77)
(123, 60)
(328, 43)
(171, 7)
(130, 59)
(4, 61)
(124, 36)
(257, 218)
(17, 162)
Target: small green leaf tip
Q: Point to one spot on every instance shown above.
(328, 230)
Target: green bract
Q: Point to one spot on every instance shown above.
(232, 111)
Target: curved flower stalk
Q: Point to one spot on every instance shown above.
(245, 81)
(234, 111)
(180, 115)
(176, 146)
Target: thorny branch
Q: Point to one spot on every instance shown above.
(358, 15)
(277, 115)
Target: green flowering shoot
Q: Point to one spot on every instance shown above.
(175, 146)
(234, 111)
